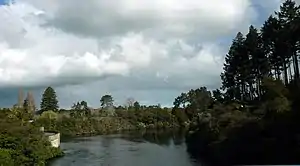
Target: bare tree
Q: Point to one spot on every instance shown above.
(31, 103)
(129, 102)
(20, 98)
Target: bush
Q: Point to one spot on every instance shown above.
(6, 157)
(24, 144)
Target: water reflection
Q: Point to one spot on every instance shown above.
(151, 148)
(160, 137)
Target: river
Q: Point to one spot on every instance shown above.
(127, 149)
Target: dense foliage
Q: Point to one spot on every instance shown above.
(49, 100)
(254, 119)
(81, 119)
(20, 142)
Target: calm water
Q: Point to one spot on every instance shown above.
(128, 149)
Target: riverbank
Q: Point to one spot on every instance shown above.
(23, 144)
(86, 127)
(99, 125)
(266, 141)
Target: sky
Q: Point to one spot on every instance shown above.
(150, 50)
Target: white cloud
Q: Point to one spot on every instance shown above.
(54, 42)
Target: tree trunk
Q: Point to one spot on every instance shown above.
(296, 65)
(285, 75)
(258, 89)
(290, 70)
(277, 73)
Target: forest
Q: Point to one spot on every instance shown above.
(251, 119)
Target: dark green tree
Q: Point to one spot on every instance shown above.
(268, 33)
(258, 62)
(80, 109)
(106, 101)
(218, 96)
(181, 101)
(192, 103)
(49, 100)
(235, 69)
(287, 18)
(136, 105)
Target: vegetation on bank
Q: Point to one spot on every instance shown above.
(81, 119)
(251, 119)
(21, 143)
(254, 119)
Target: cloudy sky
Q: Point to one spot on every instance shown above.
(151, 50)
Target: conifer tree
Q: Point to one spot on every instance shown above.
(49, 100)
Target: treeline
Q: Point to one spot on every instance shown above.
(82, 119)
(253, 117)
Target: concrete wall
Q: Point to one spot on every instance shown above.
(54, 139)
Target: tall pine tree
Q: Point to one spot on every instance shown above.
(258, 62)
(287, 16)
(232, 78)
(265, 53)
(49, 100)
